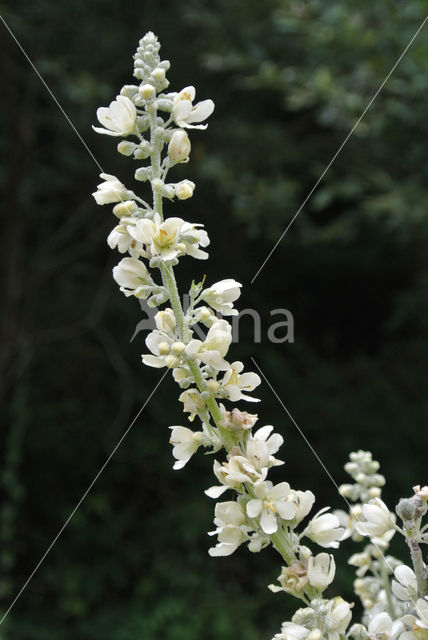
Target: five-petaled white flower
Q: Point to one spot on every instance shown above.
(422, 613)
(271, 501)
(324, 529)
(291, 631)
(379, 524)
(133, 278)
(221, 296)
(231, 530)
(233, 473)
(111, 190)
(382, 627)
(234, 382)
(185, 443)
(406, 588)
(119, 118)
(214, 347)
(337, 617)
(171, 238)
(303, 501)
(261, 446)
(321, 570)
(184, 113)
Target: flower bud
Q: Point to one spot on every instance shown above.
(168, 191)
(126, 148)
(142, 151)
(204, 315)
(177, 348)
(165, 321)
(179, 147)
(158, 74)
(143, 173)
(179, 374)
(358, 632)
(129, 91)
(126, 208)
(184, 189)
(374, 492)
(213, 386)
(143, 122)
(147, 91)
(163, 348)
(164, 105)
(157, 185)
(406, 509)
(321, 570)
(172, 361)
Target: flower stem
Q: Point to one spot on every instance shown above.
(387, 586)
(419, 566)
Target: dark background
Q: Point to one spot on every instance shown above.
(289, 80)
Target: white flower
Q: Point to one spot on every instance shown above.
(186, 443)
(379, 521)
(171, 238)
(233, 473)
(291, 631)
(303, 501)
(321, 570)
(362, 560)
(192, 238)
(133, 278)
(112, 190)
(221, 296)
(381, 627)
(120, 238)
(406, 588)
(184, 189)
(337, 617)
(214, 347)
(271, 501)
(229, 520)
(422, 613)
(160, 238)
(234, 382)
(347, 520)
(166, 352)
(193, 402)
(165, 321)
(260, 448)
(119, 118)
(324, 529)
(184, 113)
(125, 209)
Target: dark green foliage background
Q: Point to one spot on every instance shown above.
(289, 80)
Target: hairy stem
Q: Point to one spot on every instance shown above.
(419, 566)
(170, 284)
